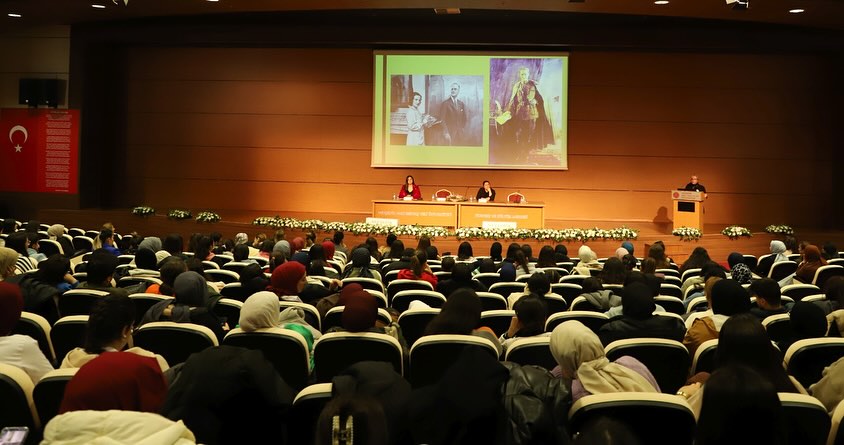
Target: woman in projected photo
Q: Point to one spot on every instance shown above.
(417, 121)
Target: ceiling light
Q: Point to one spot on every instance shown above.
(96, 6)
(212, 0)
(796, 11)
(661, 2)
(14, 14)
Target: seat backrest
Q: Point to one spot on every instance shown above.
(143, 302)
(704, 359)
(311, 314)
(432, 355)
(671, 290)
(49, 248)
(49, 392)
(379, 297)
(694, 272)
(582, 304)
(671, 304)
(336, 351)
(414, 321)
(226, 276)
(651, 417)
(751, 261)
(780, 270)
(132, 281)
(401, 300)
(390, 276)
(805, 359)
(229, 311)
(305, 412)
(68, 333)
(516, 197)
(668, 360)
(125, 259)
(38, 328)
(235, 266)
(836, 433)
(555, 303)
(697, 304)
(824, 273)
(366, 283)
(778, 327)
(17, 407)
(443, 193)
(498, 320)
(491, 301)
(83, 243)
(798, 291)
(488, 278)
(506, 288)
(286, 349)
(806, 419)
(592, 320)
(397, 286)
(569, 291)
(79, 301)
(573, 279)
(174, 341)
(235, 291)
(531, 351)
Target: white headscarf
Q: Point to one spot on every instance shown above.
(580, 354)
(778, 249)
(260, 311)
(55, 231)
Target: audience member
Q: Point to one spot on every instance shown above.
(807, 321)
(402, 263)
(791, 245)
(528, 251)
(638, 318)
(461, 315)
(465, 252)
(418, 269)
(338, 243)
(621, 252)
(360, 314)
(777, 255)
(521, 263)
(8, 258)
(830, 388)
(529, 321)
(546, 257)
(728, 299)
(829, 251)
(100, 270)
(461, 277)
(170, 269)
(582, 361)
(19, 242)
(191, 304)
(630, 262)
(56, 233)
(538, 284)
(360, 266)
(495, 251)
(657, 253)
(698, 258)
(561, 254)
(107, 242)
(768, 298)
(396, 250)
(812, 261)
(601, 299)
(588, 261)
(261, 311)
(18, 350)
(613, 272)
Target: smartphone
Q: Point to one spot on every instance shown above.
(13, 435)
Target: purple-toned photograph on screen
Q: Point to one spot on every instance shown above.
(525, 111)
(436, 110)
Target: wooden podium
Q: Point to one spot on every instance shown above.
(688, 209)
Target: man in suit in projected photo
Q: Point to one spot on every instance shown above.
(453, 114)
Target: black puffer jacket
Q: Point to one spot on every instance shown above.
(38, 297)
(537, 406)
(656, 326)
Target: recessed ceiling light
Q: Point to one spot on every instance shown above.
(796, 11)
(212, 0)
(14, 14)
(661, 2)
(96, 6)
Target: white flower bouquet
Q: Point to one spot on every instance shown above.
(780, 229)
(143, 211)
(734, 232)
(209, 217)
(179, 214)
(687, 233)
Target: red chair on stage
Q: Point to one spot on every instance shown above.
(516, 198)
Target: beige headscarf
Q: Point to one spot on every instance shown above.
(55, 231)
(8, 258)
(260, 311)
(579, 353)
(587, 255)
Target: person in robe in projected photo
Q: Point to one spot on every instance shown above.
(486, 193)
(525, 111)
(417, 122)
(410, 191)
(695, 186)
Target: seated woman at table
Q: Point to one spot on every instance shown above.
(486, 193)
(410, 191)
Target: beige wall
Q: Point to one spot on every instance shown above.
(42, 52)
(250, 132)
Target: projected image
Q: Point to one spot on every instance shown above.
(436, 110)
(526, 114)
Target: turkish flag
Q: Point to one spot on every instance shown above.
(19, 149)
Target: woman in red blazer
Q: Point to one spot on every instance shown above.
(410, 189)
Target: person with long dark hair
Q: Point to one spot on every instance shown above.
(529, 321)
(613, 272)
(419, 269)
(495, 252)
(461, 277)
(812, 261)
(696, 260)
(465, 252)
(461, 315)
(410, 190)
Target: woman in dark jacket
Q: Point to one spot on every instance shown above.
(637, 319)
(191, 304)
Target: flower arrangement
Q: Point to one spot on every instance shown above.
(781, 229)
(209, 217)
(734, 232)
(143, 211)
(179, 214)
(357, 228)
(687, 233)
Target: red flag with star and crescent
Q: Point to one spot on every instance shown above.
(39, 150)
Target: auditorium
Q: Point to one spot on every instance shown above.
(409, 222)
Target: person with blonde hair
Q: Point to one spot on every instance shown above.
(8, 260)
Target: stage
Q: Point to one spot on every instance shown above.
(719, 246)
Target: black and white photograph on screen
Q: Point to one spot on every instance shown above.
(525, 125)
(436, 110)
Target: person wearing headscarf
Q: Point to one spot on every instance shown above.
(507, 272)
(282, 247)
(621, 252)
(192, 304)
(812, 261)
(261, 311)
(360, 314)
(588, 261)
(297, 244)
(728, 298)
(741, 274)
(777, 255)
(329, 249)
(360, 265)
(116, 380)
(628, 246)
(302, 257)
(290, 283)
(56, 233)
(18, 350)
(638, 318)
(581, 360)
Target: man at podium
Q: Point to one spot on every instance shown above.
(695, 186)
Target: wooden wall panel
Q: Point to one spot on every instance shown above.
(288, 131)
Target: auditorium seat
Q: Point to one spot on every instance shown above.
(229, 311)
(286, 349)
(334, 317)
(573, 279)
(209, 265)
(498, 320)
(143, 302)
(75, 231)
(673, 305)
(582, 304)
(531, 351)
(523, 278)
(816, 297)
(560, 270)
(805, 359)
(174, 341)
(134, 281)
(432, 355)
(668, 360)
(414, 321)
(79, 301)
(83, 244)
(669, 273)
(836, 433)
(592, 320)
(506, 288)
(567, 265)
(778, 327)
(491, 301)
(653, 418)
(235, 291)
(554, 303)
(697, 304)
(17, 407)
(38, 328)
(125, 259)
(263, 262)
(488, 278)
(307, 406)
(672, 290)
(779, 271)
(569, 291)
(694, 272)
(672, 280)
(49, 248)
(751, 261)
(397, 286)
(68, 333)
(235, 266)
(798, 291)
(441, 275)
(366, 283)
(312, 316)
(401, 300)
(336, 351)
(390, 276)
(704, 359)
(49, 392)
(226, 276)
(379, 297)
(806, 419)
(824, 273)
